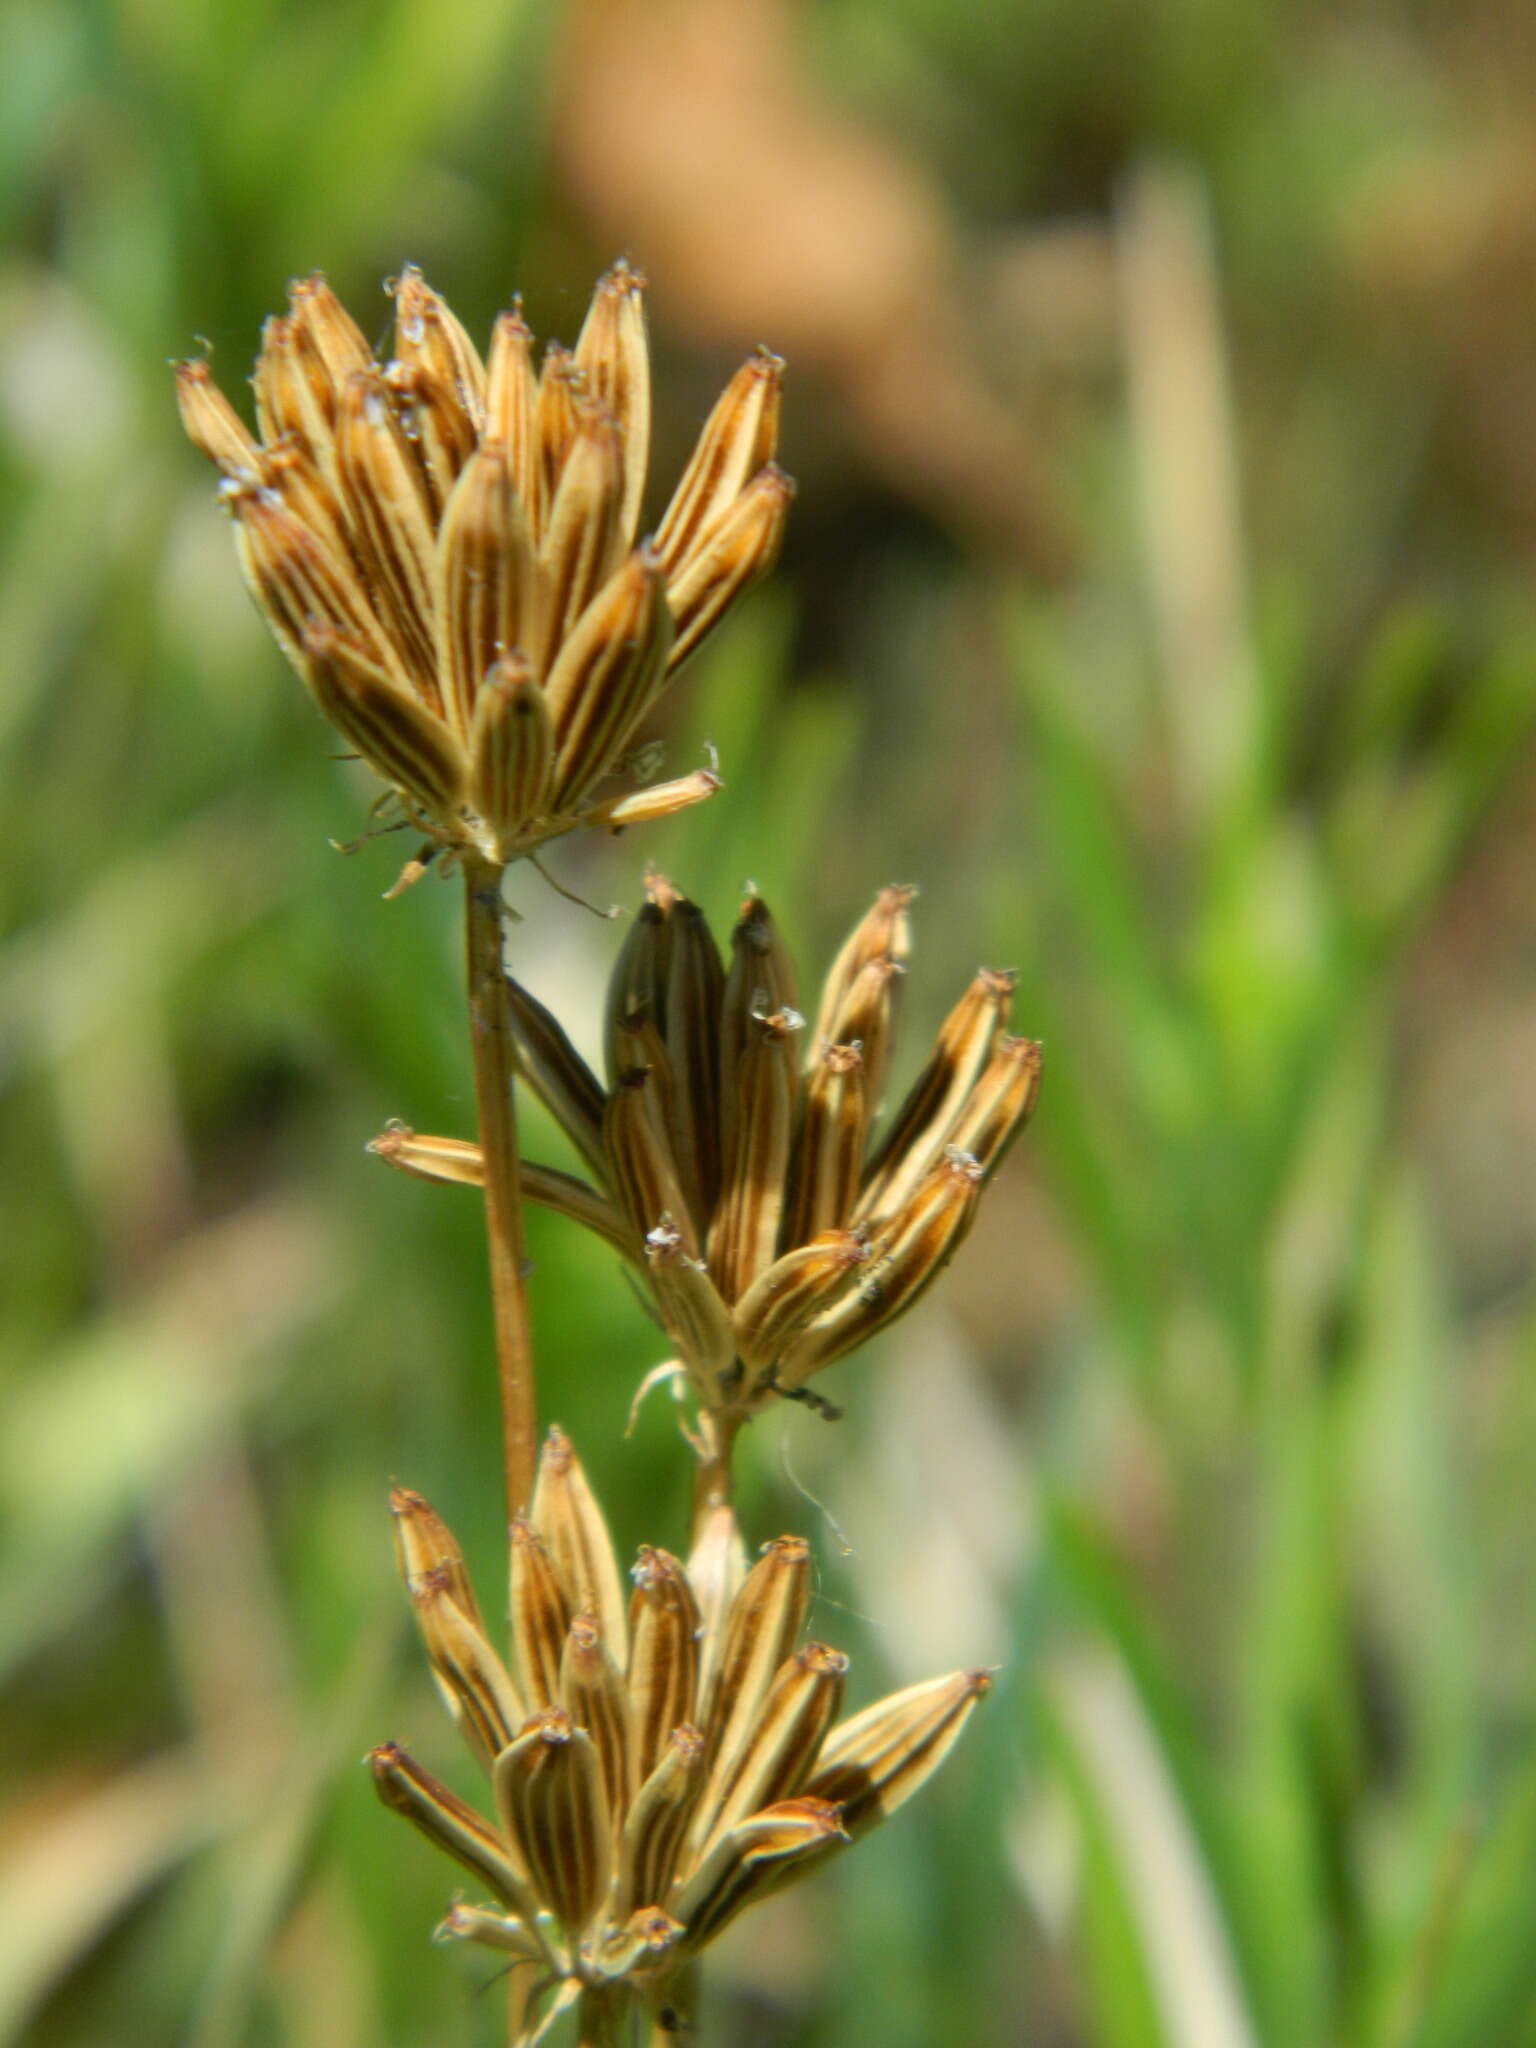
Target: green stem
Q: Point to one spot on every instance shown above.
(491, 1042)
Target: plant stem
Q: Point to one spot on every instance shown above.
(491, 1042)
(712, 1478)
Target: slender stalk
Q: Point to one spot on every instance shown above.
(713, 1479)
(674, 2021)
(602, 2014)
(490, 1032)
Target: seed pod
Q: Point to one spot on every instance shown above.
(733, 554)
(874, 1762)
(582, 544)
(511, 394)
(739, 439)
(884, 932)
(745, 1232)
(424, 1543)
(657, 1824)
(829, 1146)
(211, 423)
(592, 1693)
(607, 670)
(752, 1859)
(760, 1632)
(641, 1170)
(664, 1630)
(1000, 1104)
(391, 520)
(403, 743)
(549, 1793)
(781, 1743)
(567, 1516)
(921, 1127)
(541, 1615)
(614, 362)
(445, 1820)
(471, 1678)
(429, 336)
(558, 1075)
(511, 754)
(484, 579)
(783, 1301)
(695, 988)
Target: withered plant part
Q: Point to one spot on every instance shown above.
(449, 550)
(737, 1154)
(656, 1765)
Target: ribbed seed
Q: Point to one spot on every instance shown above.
(866, 1017)
(733, 554)
(874, 1762)
(337, 340)
(484, 579)
(1000, 1104)
(693, 1314)
(921, 1126)
(691, 1027)
(614, 361)
(211, 423)
(396, 736)
(445, 1820)
(439, 435)
(391, 520)
(541, 1615)
(797, 1288)
(429, 335)
(294, 391)
(583, 542)
(471, 1677)
(884, 932)
(759, 980)
(296, 580)
(908, 1251)
(753, 1859)
(739, 438)
(781, 1745)
(744, 1235)
(549, 1794)
(592, 1693)
(661, 800)
(456, 1162)
(566, 1514)
(641, 1171)
(554, 423)
(289, 469)
(829, 1146)
(511, 393)
(424, 1543)
(658, 1821)
(606, 673)
(664, 1630)
(760, 1632)
(511, 754)
(637, 986)
(558, 1075)
(717, 1571)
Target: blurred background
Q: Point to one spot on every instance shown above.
(1158, 598)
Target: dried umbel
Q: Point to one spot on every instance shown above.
(657, 1764)
(448, 550)
(737, 1154)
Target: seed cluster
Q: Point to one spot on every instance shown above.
(449, 552)
(655, 1765)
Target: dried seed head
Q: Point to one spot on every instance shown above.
(631, 1825)
(424, 1543)
(447, 516)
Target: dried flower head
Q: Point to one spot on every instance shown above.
(737, 1153)
(656, 1765)
(448, 550)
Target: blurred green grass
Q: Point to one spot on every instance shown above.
(1221, 1438)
